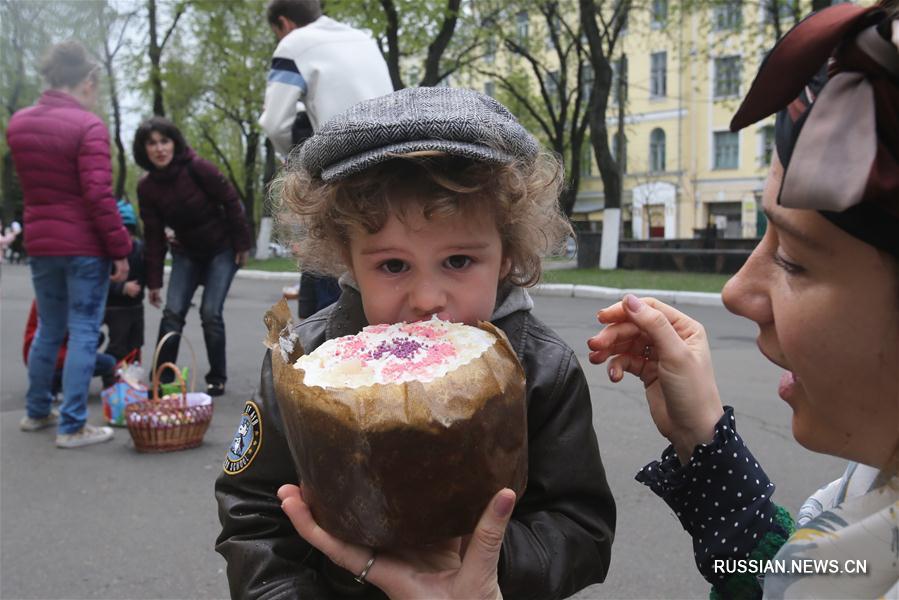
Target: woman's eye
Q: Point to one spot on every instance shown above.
(789, 267)
(394, 266)
(458, 261)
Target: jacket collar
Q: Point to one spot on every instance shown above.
(59, 98)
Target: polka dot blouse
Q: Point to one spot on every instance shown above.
(722, 497)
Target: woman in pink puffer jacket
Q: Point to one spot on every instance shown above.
(73, 235)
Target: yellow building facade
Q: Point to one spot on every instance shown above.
(685, 171)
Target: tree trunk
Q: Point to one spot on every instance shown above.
(440, 43)
(270, 169)
(155, 54)
(249, 164)
(820, 4)
(393, 46)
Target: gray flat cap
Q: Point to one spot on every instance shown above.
(456, 121)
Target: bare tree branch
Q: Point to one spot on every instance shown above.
(222, 157)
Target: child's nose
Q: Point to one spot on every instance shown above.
(427, 298)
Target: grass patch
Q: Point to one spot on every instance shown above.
(652, 280)
(273, 264)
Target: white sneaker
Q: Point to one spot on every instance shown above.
(29, 424)
(87, 435)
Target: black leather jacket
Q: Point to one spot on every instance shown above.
(560, 536)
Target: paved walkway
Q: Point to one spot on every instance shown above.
(107, 522)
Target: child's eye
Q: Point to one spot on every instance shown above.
(394, 266)
(789, 267)
(457, 261)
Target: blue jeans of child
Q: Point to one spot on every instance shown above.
(215, 274)
(71, 297)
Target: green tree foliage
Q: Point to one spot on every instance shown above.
(27, 30)
(215, 85)
(423, 41)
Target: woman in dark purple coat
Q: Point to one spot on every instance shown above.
(211, 240)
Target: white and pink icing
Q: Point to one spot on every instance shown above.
(397, 353)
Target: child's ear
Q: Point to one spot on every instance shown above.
(347, 257)
(505, 268)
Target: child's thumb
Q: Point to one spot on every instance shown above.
(655, 324)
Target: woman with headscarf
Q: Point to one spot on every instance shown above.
(823, 287)
(73, 234)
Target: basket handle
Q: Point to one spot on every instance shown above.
(193, 356)
(177, 371)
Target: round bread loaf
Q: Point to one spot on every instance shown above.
(403, 433)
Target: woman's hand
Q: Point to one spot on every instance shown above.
(156, 297)
(240, 258)
(670, 354)
(119, 271)
(440, 571)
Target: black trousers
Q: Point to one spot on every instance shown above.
(126, 329)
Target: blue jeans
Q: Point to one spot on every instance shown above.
(71, 297)
(215, 275)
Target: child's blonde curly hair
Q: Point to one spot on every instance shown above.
(522, 197)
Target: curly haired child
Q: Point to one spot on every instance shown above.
(430, 201)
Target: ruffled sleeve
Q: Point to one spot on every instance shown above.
(722, 497)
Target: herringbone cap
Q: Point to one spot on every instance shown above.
(456, 121)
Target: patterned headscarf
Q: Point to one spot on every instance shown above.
(834, 82)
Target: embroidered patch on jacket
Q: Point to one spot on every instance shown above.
(247, 440)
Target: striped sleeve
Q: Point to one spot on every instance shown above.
(285, 71)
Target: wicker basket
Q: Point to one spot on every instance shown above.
(173, 422)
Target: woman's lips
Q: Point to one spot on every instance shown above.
(787, 386)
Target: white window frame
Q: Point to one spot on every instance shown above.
(714, 153)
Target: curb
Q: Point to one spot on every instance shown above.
(595, 292)
(559, 290)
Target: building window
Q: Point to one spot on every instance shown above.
(767, 139)
(521, 27)
(490, 51)
(658, 76)
(620, 141)
(727, 76)
(728, 15)
(659, 13)
(657, 150)
(781, 11)
(619, 75)
(490, 89)
(553, 25)
(727, 150)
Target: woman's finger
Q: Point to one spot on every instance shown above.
(351, 557)
(613, 335)
(657, 325)
(618, 313)
(482, 553)
(645, 370)
(639, 346)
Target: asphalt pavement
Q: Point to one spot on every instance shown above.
(108, 522)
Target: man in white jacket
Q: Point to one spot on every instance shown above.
(325, 65)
